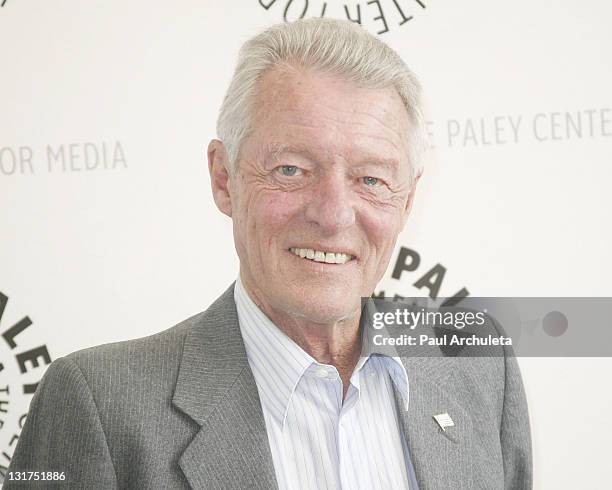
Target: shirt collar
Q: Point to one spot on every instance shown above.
(394, 365)
(278, 363)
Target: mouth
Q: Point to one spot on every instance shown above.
(327, 257)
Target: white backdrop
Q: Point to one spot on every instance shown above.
(109, 231)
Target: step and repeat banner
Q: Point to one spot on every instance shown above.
(109, 231)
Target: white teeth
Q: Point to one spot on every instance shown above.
(342, 258)
(319, 256)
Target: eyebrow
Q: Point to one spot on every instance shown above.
(389, 163)
(275, 150)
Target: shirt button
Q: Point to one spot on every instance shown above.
(321, 372)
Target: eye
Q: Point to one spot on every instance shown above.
(288, 170)
(370, 181)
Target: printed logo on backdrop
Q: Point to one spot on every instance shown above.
(24, 358)
(379, 16)
(429, 281)
(3, 3)
(63, 158)
(544, 127)
(430, 291)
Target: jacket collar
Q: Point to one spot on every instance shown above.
(215, 387)
(440, 458)
(277, 362)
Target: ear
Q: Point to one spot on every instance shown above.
(218, 167)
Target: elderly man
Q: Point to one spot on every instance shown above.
(272, 387)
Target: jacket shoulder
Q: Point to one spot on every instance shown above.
(151, 349)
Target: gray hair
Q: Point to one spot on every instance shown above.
(338, 47)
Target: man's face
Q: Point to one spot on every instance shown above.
(324, 171)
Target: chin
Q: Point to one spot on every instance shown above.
(325, 308)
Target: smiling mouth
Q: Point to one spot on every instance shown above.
(320, 256)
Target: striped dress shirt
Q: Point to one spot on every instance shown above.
(317, 440)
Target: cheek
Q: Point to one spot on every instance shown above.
(381, 229)
(273, 212)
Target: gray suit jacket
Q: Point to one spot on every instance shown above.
(180, 409)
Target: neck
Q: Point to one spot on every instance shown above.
(337, 343)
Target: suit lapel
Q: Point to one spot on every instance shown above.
(216, 388)
(441, 459)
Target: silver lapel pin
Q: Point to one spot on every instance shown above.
(444, 420)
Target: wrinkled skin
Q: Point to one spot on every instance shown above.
(324, 167)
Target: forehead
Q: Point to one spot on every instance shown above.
(329, 114)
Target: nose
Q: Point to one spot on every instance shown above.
(331, 206)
